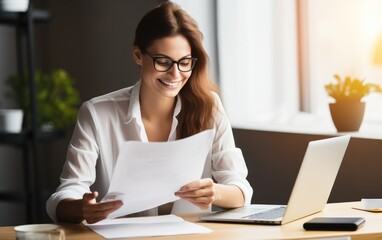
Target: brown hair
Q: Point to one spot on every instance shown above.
(198, 103)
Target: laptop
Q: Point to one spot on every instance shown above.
(310, 192)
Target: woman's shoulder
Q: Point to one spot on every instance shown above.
(108, 103)
(118, 95)
(218, 101)
(215, 95)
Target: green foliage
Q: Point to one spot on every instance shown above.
(350, 89)
(57, 99)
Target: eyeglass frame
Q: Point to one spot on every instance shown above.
(172, 62)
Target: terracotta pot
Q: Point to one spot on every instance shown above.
(347, 116)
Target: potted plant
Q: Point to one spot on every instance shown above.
(57, 99)
(348, 109)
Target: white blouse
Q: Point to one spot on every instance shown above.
(105, 122)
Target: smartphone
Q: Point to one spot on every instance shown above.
(334, 223)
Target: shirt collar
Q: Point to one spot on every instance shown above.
(174, 124)
(135, 108)
(178, 106)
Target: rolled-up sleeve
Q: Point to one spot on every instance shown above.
(228, 164)
(78, 172)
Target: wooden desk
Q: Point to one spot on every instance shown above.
(372, 229)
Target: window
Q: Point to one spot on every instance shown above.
(258, 60)
(272, 58)
(276, 56)
(341, 36)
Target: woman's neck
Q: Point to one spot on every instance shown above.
(154, 107)
(157, 112)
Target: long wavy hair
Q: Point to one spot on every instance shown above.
(198, 103)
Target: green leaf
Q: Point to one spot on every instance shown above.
(350, 89)
(57, 98)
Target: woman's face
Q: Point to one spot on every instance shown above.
(167, 83)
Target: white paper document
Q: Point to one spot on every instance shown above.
(148, 174)
(370, 205)
(146, 227)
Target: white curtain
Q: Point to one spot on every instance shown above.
(257, 42)
(204, 12)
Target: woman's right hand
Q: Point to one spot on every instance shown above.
(94, 212)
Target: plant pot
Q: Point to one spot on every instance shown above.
(347, 116)
(14, 5)
(11, 120)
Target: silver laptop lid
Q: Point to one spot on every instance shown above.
(316, 177)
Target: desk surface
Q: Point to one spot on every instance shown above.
(371, 229)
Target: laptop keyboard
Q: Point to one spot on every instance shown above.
(273, 213)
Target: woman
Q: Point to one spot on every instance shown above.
(174, 99)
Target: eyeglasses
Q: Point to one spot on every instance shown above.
(164, 64)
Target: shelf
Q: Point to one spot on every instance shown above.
(14, 18)
(24, 136)
(29, 138)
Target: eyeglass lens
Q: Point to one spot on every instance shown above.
(163, 64)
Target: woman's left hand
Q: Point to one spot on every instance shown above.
(201, 192)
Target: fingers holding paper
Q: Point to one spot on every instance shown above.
(94, 212)
(201, 192)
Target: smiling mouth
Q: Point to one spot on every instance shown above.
(170, 84)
